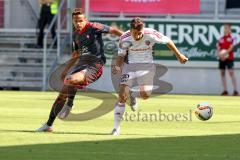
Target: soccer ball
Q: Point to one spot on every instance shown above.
(223, 54)
(204, 111)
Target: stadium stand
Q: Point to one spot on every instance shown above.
(21, 62)
(21, 66)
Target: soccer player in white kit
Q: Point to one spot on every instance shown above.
(137, 46)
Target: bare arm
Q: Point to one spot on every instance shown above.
(161, 39)
(119, 61)
(180, 57)
(118, 65)
(115, 31)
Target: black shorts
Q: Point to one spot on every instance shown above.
(226, 64)
(93, 73)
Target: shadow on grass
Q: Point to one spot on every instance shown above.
(218, 147)
(57, 132)
(224, 122)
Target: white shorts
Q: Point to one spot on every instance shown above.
(135, 75)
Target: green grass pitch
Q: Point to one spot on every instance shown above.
(23, 112)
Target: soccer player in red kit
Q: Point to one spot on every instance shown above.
(225, 44)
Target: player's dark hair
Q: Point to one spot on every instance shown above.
(77, 11)
(137, 24)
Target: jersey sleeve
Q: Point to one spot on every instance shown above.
(122, 51)
(158, 37)
(101, 28)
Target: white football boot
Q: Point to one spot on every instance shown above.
(45, 128)
(115, 132)
(64, 112)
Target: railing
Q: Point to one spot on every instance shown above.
(47, 50)
(34, 14)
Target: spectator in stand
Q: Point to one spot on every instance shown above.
(48, 10)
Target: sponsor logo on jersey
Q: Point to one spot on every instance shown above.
(125, 45)
(140, 49)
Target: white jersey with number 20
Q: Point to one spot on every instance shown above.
(140, 51)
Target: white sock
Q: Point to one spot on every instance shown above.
(118, 114)
(136, 93)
